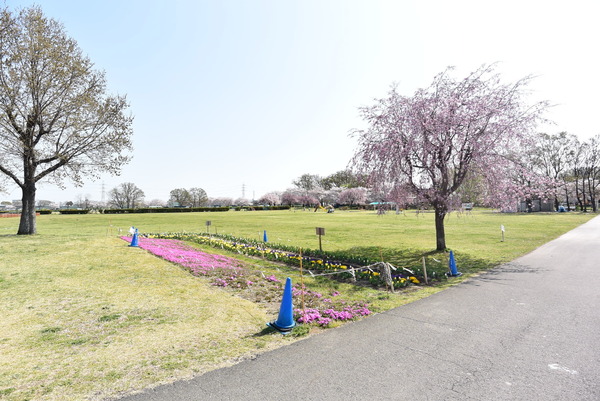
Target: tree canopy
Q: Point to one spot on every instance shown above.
(421, 148)
(56, 120)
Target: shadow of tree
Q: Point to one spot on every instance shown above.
(412, 259)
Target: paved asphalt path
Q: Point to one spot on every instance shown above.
(528, 330)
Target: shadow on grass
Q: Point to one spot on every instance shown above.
(268, 330)
(435, 261)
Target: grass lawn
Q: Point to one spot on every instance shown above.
(86, 316)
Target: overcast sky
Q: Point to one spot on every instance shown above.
(241, 95)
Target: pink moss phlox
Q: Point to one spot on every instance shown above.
(307, 316)
(196, 261)
(272, 278)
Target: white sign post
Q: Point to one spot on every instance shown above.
(502, 229)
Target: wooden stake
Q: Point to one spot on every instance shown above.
(425, 271)
(302, 283)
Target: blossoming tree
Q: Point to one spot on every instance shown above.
(422, 147)
(353, 196)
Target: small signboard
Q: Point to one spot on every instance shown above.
(208, 223)
(320, 232)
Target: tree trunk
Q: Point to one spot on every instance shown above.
(440, 234)
(592, 194)
(583, 195)
(27, 225)
(578, 194)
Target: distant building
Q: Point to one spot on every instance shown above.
(536, 205)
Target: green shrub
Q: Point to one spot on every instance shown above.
(166, 210)
(260, 207)
(74, 211)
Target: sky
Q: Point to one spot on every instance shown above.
(241, 97)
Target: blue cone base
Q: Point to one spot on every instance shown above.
(283, 330)
(285, 321)
(134, 241)
(452, 266)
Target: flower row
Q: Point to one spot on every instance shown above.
(345, 269)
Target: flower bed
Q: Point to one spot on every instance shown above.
(234, 274)
(339, 263)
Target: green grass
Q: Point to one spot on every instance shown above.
(86, 316)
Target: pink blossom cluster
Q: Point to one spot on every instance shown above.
(196, 261)
(272, 278)
(300, 291)
(325, 317)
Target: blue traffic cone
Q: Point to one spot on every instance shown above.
(452, 265)
(285, 321)
(265, 236)
(134, 239)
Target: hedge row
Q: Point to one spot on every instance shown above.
(255, 208)
(74, 211)
(167, 210)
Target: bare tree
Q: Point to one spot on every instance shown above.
(198, 197)
(56, 120)
(126, 196)
(180, 197)
(308, 182)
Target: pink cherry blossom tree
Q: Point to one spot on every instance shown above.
(290, 197)
(271, 199)
(353, 196)
(422, 147)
